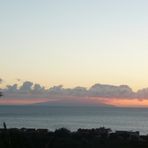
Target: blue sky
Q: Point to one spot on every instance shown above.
(78, 42)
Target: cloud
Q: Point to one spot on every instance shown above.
(142, 93)
(79, 91)
(26, 87)
(97, 92)
(12, 88)
(111, 91)
(38, 88)
(56, 90)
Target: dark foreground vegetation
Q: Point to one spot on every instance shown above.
(63, 138)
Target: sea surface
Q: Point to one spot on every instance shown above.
(135, 119)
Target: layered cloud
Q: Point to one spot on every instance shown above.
(110, 91)
(99, 92)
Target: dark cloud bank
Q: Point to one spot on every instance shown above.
(30, 90)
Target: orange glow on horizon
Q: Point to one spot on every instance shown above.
(118, 102)
(127, 102)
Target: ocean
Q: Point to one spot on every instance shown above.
(72, 118)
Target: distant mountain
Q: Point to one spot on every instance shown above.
(61, 103)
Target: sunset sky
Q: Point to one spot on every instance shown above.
(75, 43)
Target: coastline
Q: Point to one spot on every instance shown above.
(95, 137)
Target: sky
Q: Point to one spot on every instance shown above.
(74, 43)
